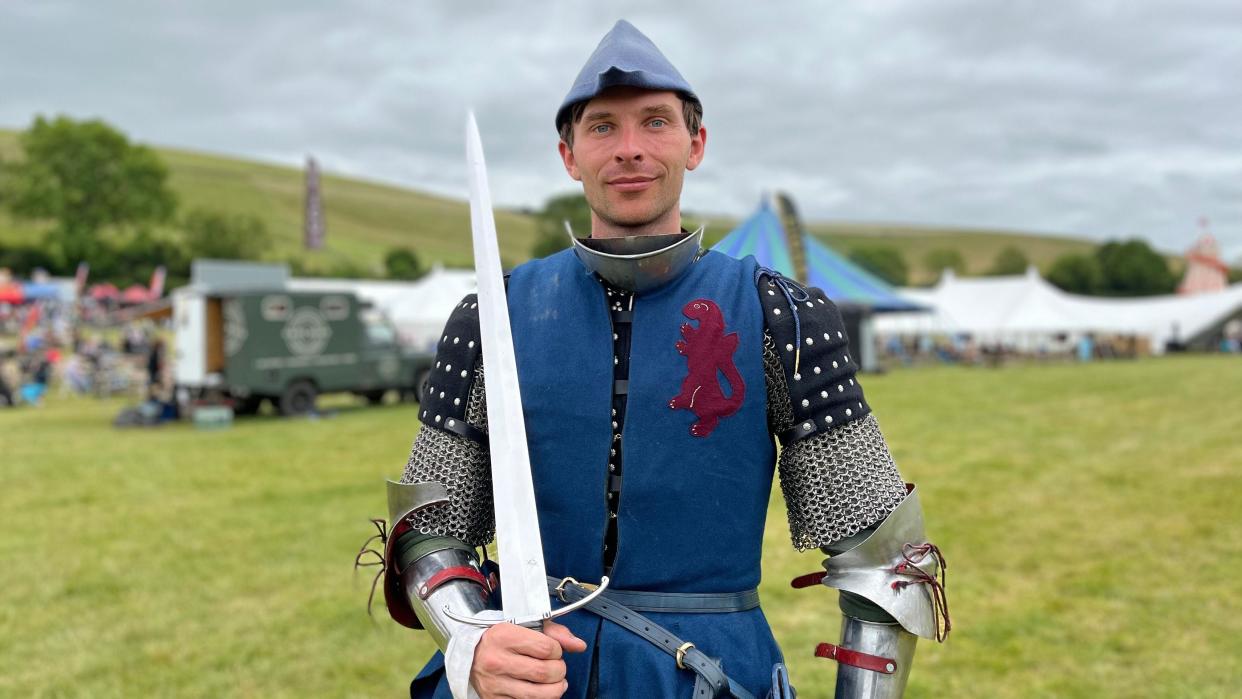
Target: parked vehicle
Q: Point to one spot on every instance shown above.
(287, 347)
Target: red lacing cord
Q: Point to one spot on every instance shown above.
(913, 555)
(378, 560)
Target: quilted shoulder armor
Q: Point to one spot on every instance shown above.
(448, 391)
(809, 336)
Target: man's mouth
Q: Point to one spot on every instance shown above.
(630, 184)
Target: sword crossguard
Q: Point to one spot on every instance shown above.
(536, 621)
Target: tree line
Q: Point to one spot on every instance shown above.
(107, 201)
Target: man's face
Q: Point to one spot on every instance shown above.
(631, 152)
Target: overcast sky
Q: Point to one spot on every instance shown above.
(1102, 119)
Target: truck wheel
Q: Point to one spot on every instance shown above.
(374, 397)
(298, 398)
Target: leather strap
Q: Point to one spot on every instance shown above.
(686, 602)
(446, 574)
(856, 658)
(710, 681)
(465, 429)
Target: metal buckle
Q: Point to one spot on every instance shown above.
(680, 655)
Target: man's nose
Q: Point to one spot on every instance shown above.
(628, 146)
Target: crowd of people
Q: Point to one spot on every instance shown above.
(81, 361)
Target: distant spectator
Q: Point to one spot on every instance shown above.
(6, 395)
(155, 368)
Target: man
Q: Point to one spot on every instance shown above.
(654, 377)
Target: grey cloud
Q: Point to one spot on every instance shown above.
(1098, 119)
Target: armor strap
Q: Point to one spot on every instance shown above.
(454, 573)
(856, 658)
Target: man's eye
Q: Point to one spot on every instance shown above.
(600, 128)
(658, 123)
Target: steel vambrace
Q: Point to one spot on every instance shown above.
(442, 572)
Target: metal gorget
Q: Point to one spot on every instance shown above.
(639, 263)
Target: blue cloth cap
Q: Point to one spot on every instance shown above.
(625, 56)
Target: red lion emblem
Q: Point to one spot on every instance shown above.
(709, 353)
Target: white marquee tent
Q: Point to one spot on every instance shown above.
(1025, 310)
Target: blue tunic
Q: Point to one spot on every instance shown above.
(692, 509)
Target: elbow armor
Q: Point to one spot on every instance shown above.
(900, 575)
(424, 574)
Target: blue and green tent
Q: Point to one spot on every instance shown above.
(847, 284)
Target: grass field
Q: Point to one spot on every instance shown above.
(364, 220)
(1089, 517)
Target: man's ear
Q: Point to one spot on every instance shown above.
(698, 147)
(571, 164)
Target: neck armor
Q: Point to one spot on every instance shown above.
(639, 263)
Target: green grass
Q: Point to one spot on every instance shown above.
(364, 220)
(1088, 515)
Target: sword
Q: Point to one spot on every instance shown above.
(523, 578)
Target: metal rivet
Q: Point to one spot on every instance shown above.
(448, 367)
(777, 311)
(806, 403)
(463, 373)
(452, 422)
(848, 412)
(816, 370)
(456, 340)
(823, 394)
(788, 348)
(810, 341)
(456, 401)
(806, 427)
(828, 419)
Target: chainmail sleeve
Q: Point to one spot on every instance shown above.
(451, 446)
(835, 469)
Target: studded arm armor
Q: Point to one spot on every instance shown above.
(431, 561)
(845, 496)
(835, 469)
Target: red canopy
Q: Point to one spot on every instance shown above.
(11, 293)
(136, 293)
(100, 292)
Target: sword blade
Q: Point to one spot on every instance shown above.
(523, 581)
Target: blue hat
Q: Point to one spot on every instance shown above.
(625, 56)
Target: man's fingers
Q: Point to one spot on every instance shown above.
(563, 636)
(536, 671)
(517, 689)
(528, 642)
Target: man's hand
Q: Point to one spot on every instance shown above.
(512, 661)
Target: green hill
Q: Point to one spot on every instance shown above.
(366, 219)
